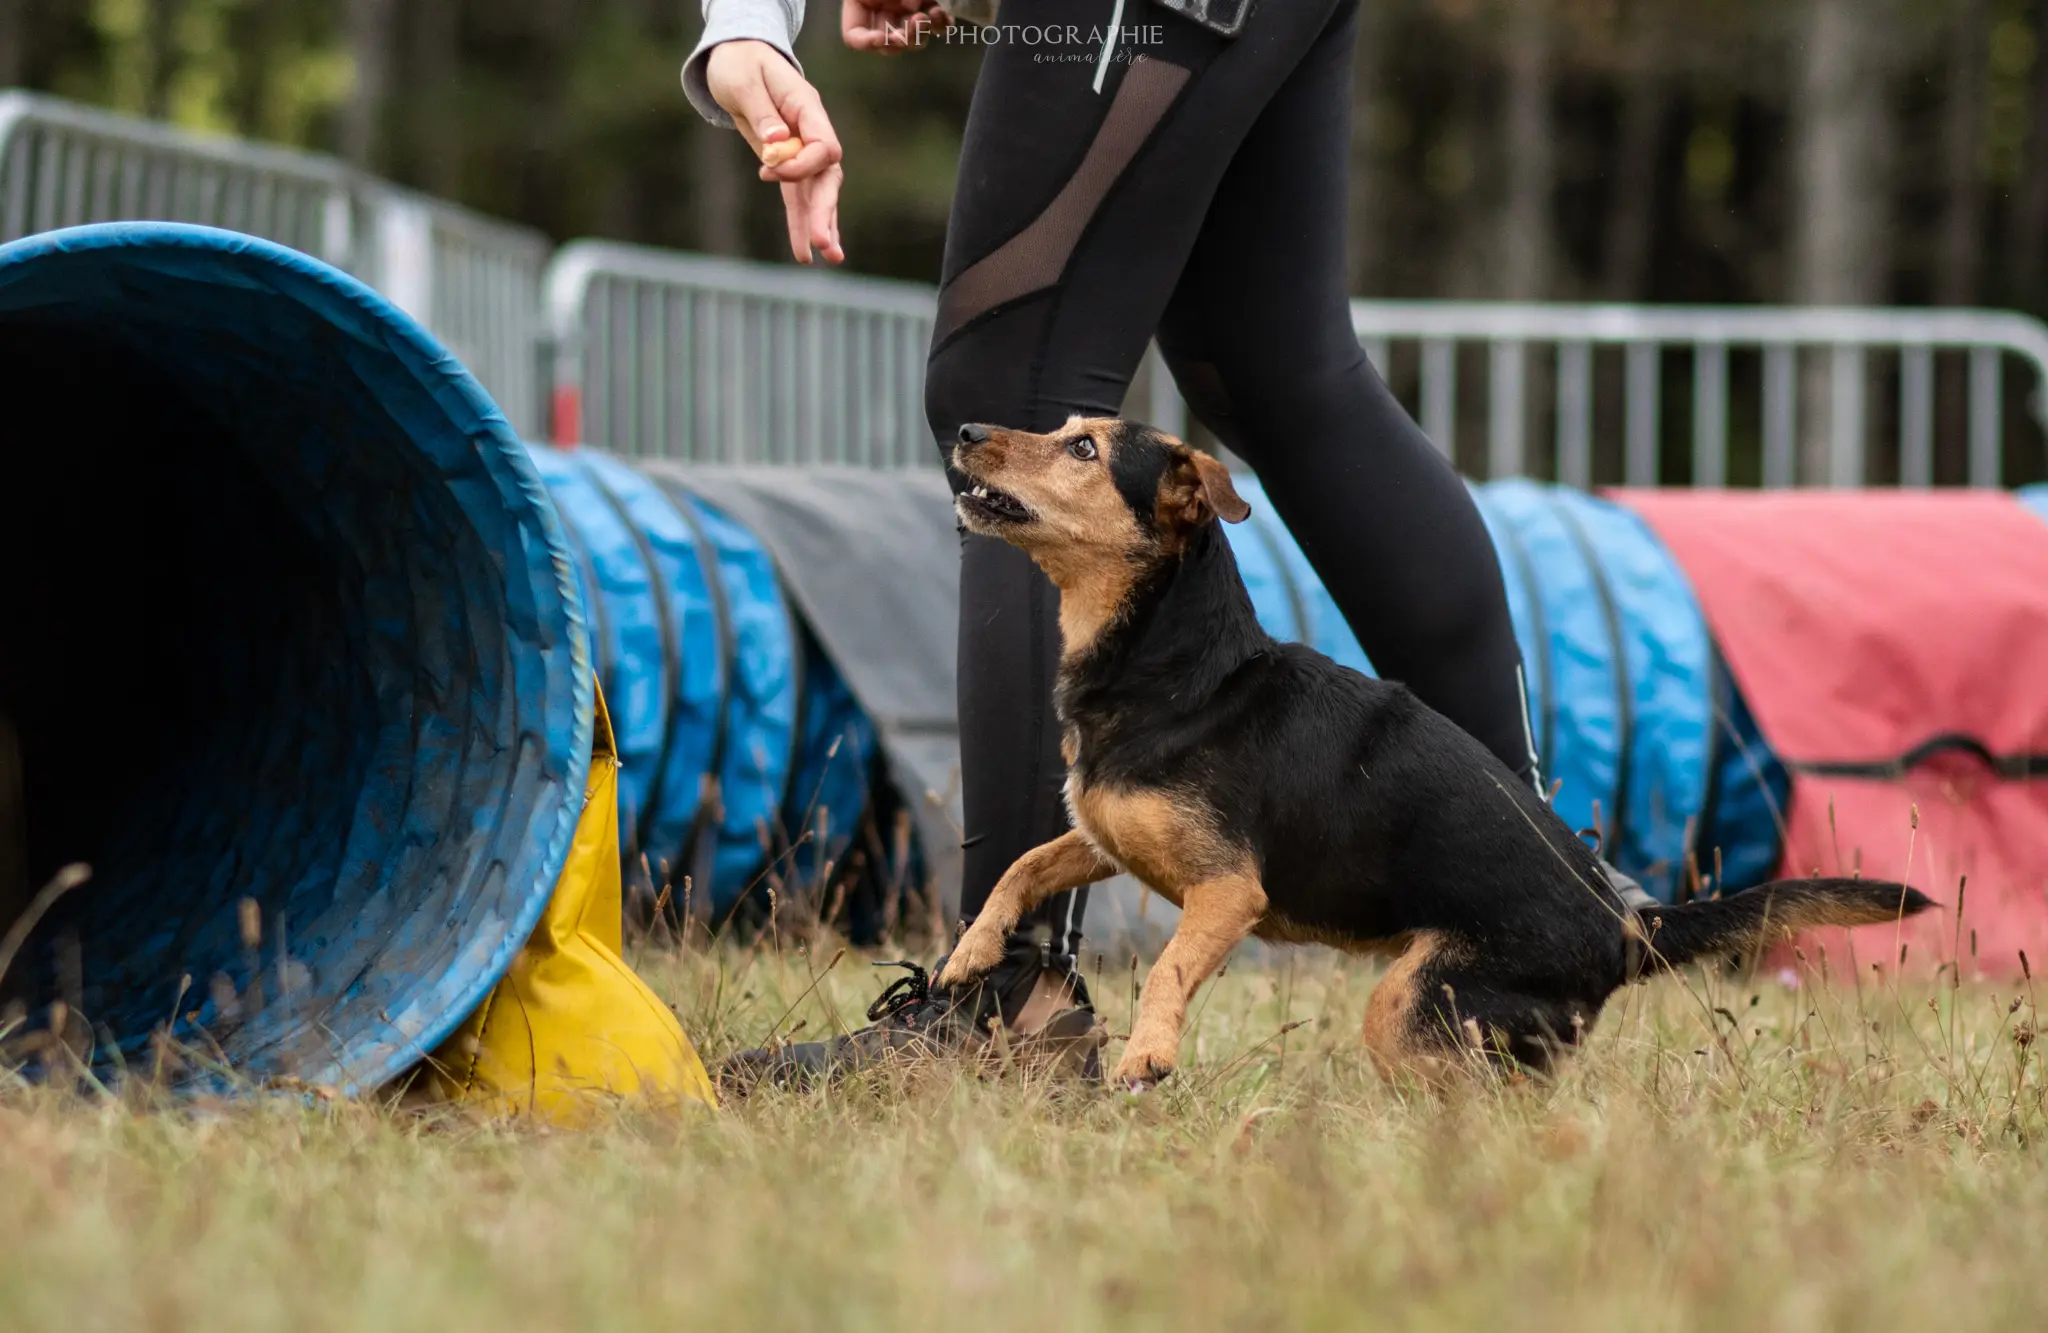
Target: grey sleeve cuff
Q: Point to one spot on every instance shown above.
(772, 21)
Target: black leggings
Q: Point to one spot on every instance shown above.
(1199, 196)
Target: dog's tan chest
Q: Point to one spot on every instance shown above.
(1167, 839)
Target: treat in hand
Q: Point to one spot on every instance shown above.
(775, 154)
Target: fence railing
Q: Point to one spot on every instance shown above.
(63, 165)
(473, 281)
(1810, 389)
(682, 356)
(674, 355)
(477, 283)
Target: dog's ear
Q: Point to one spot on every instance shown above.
(1214, 481)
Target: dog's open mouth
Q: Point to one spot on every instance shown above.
(993, 506)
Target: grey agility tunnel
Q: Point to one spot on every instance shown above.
(1633, 714)
(295, 621)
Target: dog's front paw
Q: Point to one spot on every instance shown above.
(1142, 1068)
(973, 958)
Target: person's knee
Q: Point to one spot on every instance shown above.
(1203, 389)
(970, 381)
(1255, 401)
(945, 390)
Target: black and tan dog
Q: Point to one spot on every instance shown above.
(1267, 791)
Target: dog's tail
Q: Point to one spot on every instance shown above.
(1747, 922)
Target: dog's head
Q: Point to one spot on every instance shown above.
(1096, 491)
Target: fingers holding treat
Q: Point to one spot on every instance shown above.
(777, 154)
(811, 147)
(811, 158)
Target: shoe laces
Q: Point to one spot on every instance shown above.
(906, 992)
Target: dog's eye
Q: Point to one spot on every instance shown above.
(1083, 449)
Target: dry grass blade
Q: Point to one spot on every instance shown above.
(63, 882)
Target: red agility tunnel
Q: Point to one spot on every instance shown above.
(1893, 647)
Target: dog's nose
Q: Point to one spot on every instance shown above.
(971, 433)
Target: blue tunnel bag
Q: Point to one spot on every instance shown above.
(744, 755)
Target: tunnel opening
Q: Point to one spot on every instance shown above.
(170, 624)
(288, 658)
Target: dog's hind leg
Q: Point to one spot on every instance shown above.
(1067, 862)
(1401, 1033)
(1215, 918)
(1434, 1011)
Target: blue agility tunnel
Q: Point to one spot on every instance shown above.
(290, 654)
(742, 748)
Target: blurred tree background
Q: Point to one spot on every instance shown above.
(1663, 150)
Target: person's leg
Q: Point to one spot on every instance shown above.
(1075, 213)
(1074, 216)
(1259, 338)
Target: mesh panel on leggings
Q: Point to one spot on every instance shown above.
(1034, 258)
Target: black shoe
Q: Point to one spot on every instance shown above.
(914, 1018)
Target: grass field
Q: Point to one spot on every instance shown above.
(1732, 1153)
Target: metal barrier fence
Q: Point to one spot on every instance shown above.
(477, 284)
(1817, 362)
(473, 281)
(671, 355)
(63, 165)
(682, 356)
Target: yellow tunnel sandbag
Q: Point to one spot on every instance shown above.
(571, 1021)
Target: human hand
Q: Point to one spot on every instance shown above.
(889, 26)
(774, 106)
